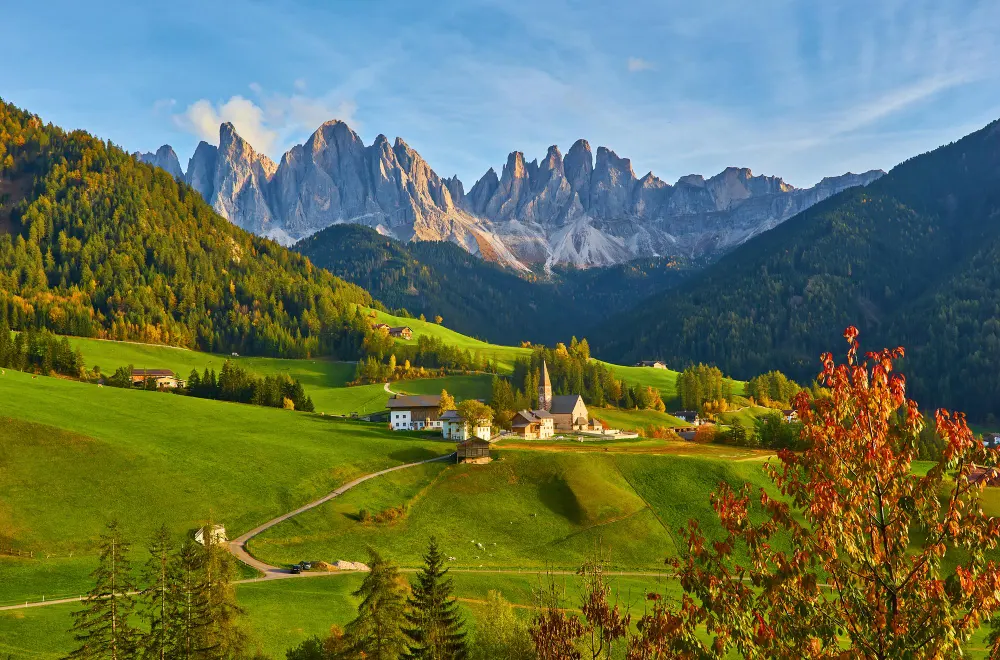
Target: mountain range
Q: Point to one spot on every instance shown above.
(585, 209)
(912, 260)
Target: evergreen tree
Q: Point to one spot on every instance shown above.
(377, 632)
(435, 623)
(103, 626)
(224, 636)
(190, 603)
(158, 598)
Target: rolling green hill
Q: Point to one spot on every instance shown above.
(73, 456)
(912, 259)
(530, 509)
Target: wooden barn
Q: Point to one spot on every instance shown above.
(474, 450)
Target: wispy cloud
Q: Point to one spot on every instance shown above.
(269, 121)
(636, 64)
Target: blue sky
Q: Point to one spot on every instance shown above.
(795, 89)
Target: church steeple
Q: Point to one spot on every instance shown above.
(545, 389)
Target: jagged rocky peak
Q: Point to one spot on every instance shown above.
(165, 158)
(584, 208)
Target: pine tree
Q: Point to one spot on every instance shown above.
(225, 638)
(377, 632)
(158, 599)
(435, 624)
(103, 626)
(190, 603)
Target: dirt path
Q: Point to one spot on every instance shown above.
(238, 546)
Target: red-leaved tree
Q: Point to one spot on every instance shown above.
(860, 557)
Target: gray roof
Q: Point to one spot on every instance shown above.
(531, 416)
(564, 404)
(403, 401)
(449, 414)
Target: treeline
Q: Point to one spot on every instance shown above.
(94, 243)
(571, 371)
(39, 350)
(185, 606)
(701, 384)
(233, 383)
(773, 389)
(387, 359)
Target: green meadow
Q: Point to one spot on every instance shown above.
(73, 456)
(283, 613)
(528, 509)
(631, 420)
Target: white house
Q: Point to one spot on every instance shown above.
(414, 413)
(218, 534)
(457, 429)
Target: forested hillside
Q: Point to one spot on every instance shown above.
(479, 298)
(913, 259)
(94, 243)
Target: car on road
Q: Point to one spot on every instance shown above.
(296, 569)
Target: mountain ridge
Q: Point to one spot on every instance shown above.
(587, 209)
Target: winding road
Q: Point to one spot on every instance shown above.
(239, 546)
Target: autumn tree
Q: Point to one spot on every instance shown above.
(103, 627)
(475, 412)
(501, 635)
(850, 560)
(606, 626)
(447, 402)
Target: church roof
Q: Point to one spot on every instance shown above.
(545, 375)
(564, 404)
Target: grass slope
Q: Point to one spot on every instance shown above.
(531, 509)
(631, 420)
(91, 454)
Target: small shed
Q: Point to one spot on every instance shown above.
(218, 534)
(474, 450)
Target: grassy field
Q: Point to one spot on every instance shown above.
(504, 355)
(631, 420)
(283, 613)
(90, 454)
(747, 416)
(460, 387)
(530, 509)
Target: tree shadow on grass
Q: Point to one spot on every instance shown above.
(414, 454)
(559, 498)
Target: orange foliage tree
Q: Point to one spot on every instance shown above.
(857, 558)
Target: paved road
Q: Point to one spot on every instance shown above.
(239, 546)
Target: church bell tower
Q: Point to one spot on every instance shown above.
(545, 389)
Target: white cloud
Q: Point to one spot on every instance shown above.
(636, 64)
(270, 123)
(202, 119)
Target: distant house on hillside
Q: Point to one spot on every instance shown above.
(569, 413)
(380, 326)
(655, 364)
(790, 415)
(414, 413)
(218, 534)
(991, 440)
(455, 428)
(474, 450)
(164, 378)
(689, 416)
(533, 424)
(402, 331)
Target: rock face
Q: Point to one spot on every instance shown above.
(584, 209)
(164, 158)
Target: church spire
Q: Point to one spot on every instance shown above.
(545, 389)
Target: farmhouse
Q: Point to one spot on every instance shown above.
(991, 440)
(790, 415)
(453, 427)
(402, 331)
(380, 326)
(164, 378)
(984, 475)
(655, 364)
(414, 413)
(474, 450)
(533, 424)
